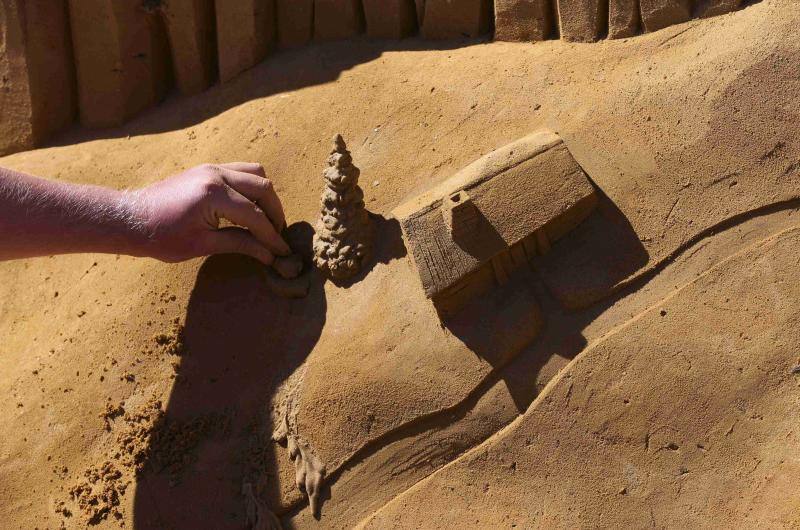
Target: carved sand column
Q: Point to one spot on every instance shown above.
(343, 242)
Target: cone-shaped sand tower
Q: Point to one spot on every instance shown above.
(343, 242)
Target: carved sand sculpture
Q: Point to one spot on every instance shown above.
(473, 230)
(655, 385)
(343, 242)
(309, 469)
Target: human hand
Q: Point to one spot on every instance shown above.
(181, 215)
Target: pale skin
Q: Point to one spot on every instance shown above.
(173, 220)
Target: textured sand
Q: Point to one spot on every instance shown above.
(691, 133)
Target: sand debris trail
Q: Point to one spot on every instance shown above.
(309, 469)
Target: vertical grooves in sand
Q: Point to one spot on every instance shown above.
(122, 60)
(191, 28)
(567, 370)
(459, 410)
(37, 70)
(127, 53)
(245, 35)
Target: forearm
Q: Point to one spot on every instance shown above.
(41, 217)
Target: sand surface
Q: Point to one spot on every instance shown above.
(640, 374)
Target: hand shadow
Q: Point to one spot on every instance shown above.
(241, 342)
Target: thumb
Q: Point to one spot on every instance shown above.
(234, 240)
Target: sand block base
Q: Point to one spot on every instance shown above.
(474, 229)
(390, 19)
(245, 32)
(582, 20)
(295, 22)
(37, 97)
(659, 14)
(522, 20)
(122, 59)
(623, 18)
(337, 19)
(420, 4)
(190, 28)
(445, 19)
(712, 8)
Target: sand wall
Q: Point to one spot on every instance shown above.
(37, 96)
(126, 54)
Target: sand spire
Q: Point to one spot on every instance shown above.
(343, 241)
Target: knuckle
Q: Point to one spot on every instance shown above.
(207, 168)
(259, 170)
(257, 209)
(212, 185)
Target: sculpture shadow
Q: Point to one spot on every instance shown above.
(388, 245)
(542, 310)
(282, 71)
(592, 260)
(241, 343)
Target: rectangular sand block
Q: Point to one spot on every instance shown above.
(623, 18)
(530, 185)
(122, 60)
(16, 109)
(245, 34)
(522, 20)
(450, 19)
(36, 67)
(420, 4)
(390, 19)
(659, 14)
(295, 22)
(582, 20)
(712, 8)
(337, 19)
(192, 37)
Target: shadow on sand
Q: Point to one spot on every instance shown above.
(518, 328)
(569, 287)
(281, 72)
(241, 343)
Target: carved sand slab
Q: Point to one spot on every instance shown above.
(445, 19)
(659, 14)
(522, 20)
(245, 31)
(390, 19)
(38, 97)
(582, 20)
(337, 19)
(191, 32)
(295, 22)
(121, 58)
(493, 216)
(623, 18)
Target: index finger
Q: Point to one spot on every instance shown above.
(250, 180)
(238, 209)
